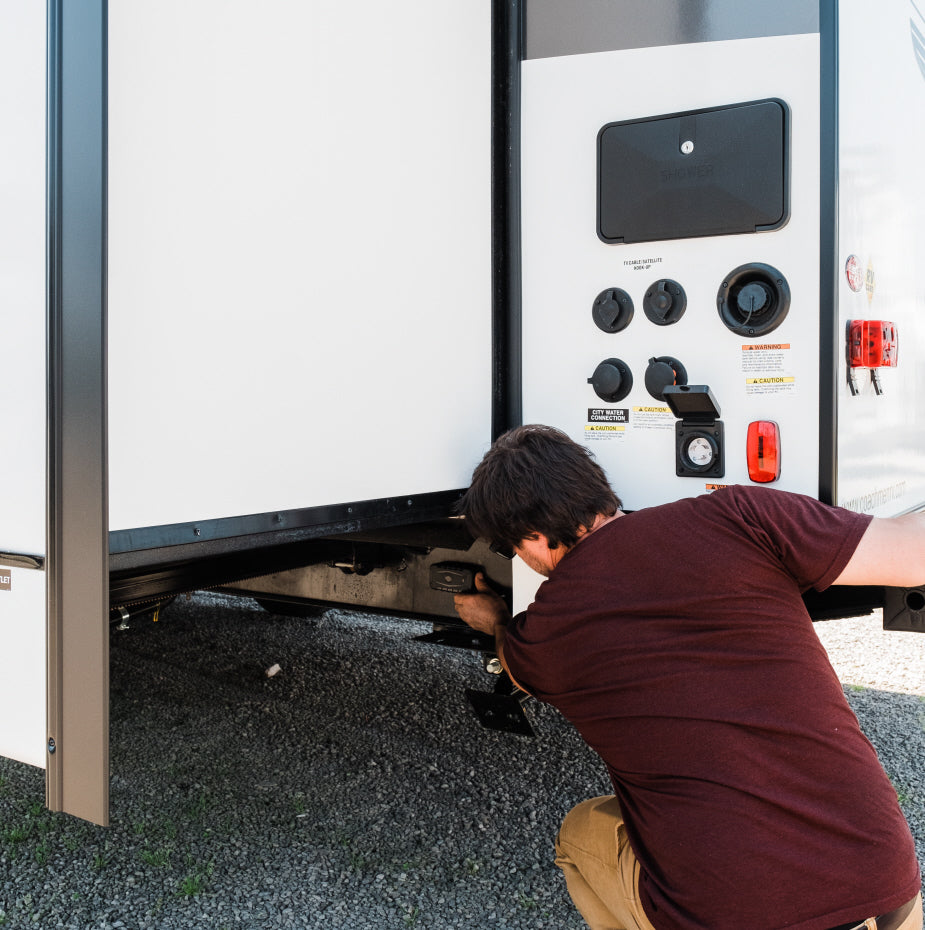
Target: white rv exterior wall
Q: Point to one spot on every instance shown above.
(566, 101)
(881, 89)
(22, 377)
(299, 253)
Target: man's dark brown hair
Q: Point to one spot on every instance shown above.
(535, 479)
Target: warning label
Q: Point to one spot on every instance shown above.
(765, 357)
(608, 415)
(767, 367)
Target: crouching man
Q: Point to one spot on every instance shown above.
(676, 640)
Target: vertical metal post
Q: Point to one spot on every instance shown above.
(78, 560)
(831, 341)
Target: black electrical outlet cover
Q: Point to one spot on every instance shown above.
(692, 402)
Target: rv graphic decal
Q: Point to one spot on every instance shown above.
(917, 22)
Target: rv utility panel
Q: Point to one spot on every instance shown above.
(708, 172)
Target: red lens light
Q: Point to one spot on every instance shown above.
(762, 451)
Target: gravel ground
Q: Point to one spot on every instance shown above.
(353, 789)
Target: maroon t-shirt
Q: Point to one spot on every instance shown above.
(676, 640)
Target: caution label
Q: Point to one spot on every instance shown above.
(653, 418)
(786, 385)
(598, 431)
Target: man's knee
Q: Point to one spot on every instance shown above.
(591, 827)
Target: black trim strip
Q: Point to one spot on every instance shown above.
(206, 538)
(506, 252)
(840, 601)
(152, 583)
(831, 342)
(386, 547)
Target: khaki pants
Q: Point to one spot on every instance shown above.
(601, 871)
(602, 874)
(913, 921)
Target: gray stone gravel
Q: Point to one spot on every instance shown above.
(353, 789)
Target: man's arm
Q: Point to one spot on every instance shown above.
(891, 552)
(486, 612)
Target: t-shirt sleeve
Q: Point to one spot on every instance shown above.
(514, 652)
(814, 541)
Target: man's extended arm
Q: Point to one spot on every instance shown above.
(486, 612)
(891, 552)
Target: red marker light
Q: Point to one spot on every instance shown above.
(762, 450)
(873, 344)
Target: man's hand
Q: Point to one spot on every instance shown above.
(487, 612)
(484, 610)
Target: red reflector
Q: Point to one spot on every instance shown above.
(763, 451)
(873, 344)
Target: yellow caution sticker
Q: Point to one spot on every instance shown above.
(609, 432)
(771, 384)
(653, 418)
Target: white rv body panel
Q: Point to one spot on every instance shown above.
(22, 665)
(22, 379)
(566, 101)
(854, 202)
(299, 254)
(22, 275)
(881, 223)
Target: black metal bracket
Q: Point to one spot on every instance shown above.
(503, 708)
(459, 637)
(904, 609)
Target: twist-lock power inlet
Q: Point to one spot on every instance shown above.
(612, 310)
(699, 442)
(753, 299)
(612, 380)
(665, 302)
